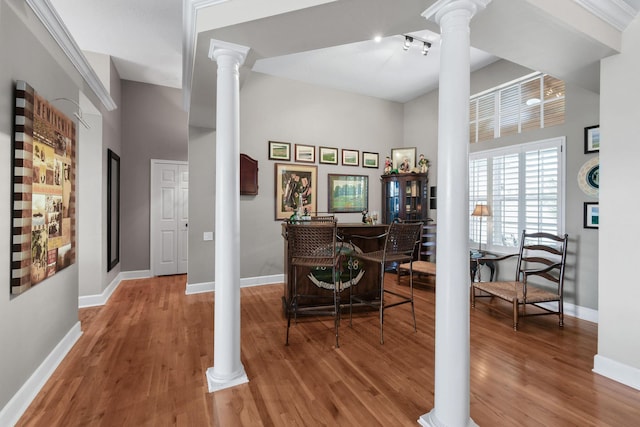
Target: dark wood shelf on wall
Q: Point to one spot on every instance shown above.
(248, 176)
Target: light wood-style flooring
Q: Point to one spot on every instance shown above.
(143, 356)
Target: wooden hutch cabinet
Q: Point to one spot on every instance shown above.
(404, 196)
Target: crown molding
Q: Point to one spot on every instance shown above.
(58, 30)
(190, 10)
(616, 13)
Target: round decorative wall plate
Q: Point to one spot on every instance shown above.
(589, 177)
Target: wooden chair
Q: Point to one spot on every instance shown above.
(541, 255)
(399, 246)
(314, 245)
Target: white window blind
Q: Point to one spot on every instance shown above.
(523, 185)
(533, 102)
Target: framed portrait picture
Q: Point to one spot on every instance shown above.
(350, 157)
(591, 215)
(295, 186)
(403, 159)
(328, 155)
(348, 193)
(369, 160)
(279, 150)
(592, 139)
(305, 153)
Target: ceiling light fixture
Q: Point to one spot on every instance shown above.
(408, 41)
(77, 114)
(425, 48)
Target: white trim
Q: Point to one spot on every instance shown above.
(247, 282)
(58, 30)
(625, 374)
(189, 26)
(616, 13)
(101, 299)
(199, 288)
(15, 408)
(582, 313)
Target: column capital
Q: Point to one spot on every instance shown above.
(442, 7)
(218, 48)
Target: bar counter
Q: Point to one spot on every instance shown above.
(364, 277)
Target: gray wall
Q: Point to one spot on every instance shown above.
(285, 110)
(154, 126)
(581, 286)
(32, 324)
(202, 159)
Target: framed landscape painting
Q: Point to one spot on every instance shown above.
(348, 193)
(279, 150)
(328, 155)
(369, 160)
(305, 153)
(295, 187)
(350, 157)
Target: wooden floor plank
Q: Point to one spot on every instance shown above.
(142, 361)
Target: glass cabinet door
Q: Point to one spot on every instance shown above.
(392, 202)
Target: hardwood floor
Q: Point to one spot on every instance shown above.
(142, 360)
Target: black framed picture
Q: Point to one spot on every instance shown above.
(591, 215)
(592, 139)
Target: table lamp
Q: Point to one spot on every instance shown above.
(480, 210)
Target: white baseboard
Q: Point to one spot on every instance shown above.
(101, 299)
(582, 313)
(625, 374)
(14, 409)
(198, 288)
(135, 274)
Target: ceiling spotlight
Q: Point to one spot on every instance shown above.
(425, 48)
(408, 40)
(377, 38)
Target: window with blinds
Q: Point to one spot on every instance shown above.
(523, 185)
(533, 102)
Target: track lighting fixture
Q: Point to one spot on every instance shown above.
(425, 48)
(408, 41)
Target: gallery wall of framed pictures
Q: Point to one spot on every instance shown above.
(296, 183)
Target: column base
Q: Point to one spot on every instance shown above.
(216, 382)
(430, 420)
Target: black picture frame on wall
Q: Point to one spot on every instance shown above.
(591, 215)
(592, 139)
(113, 209)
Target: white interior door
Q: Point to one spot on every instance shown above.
(169, 214)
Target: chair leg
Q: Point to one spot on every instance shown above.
(336, 305)
(292, 304)
(515, 314)
(382, 304)
(561, 313)
(413, 312)
(350, 292)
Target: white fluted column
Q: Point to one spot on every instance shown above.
(227, 370)
(452, 391)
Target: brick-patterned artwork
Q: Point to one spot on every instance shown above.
(43, 229)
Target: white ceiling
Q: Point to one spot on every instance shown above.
(144, 38)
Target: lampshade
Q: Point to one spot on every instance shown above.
(481, 210)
